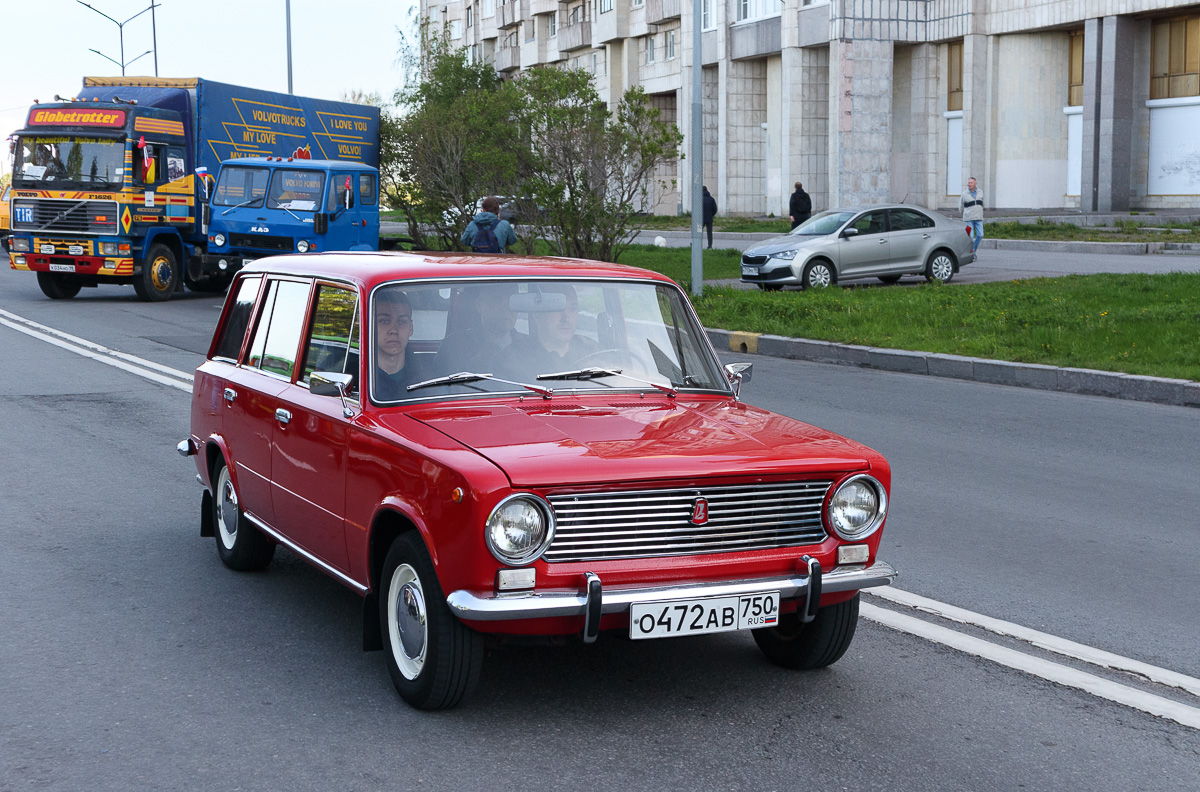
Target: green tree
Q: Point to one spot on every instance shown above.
(586, 169)
(390, 182)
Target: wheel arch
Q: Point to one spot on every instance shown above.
(168, 237)
(942, 249)
(388, 525)
(822, 258)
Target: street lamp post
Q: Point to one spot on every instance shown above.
(121, 29)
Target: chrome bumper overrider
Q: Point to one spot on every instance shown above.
(489, 606)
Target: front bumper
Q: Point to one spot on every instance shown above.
(490, 606)
(775, 272)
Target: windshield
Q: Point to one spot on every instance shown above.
(559, 336)
(241, 187)
(41, 161)
(821, 224)
(298, 190)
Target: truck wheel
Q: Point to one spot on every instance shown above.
(434, 659)
(160, 275)
(794, 644)
(213, 284)
(57, 286)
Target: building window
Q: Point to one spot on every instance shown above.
(1175, 58)
(954, 96)
(1075, 71)
(670, 45)
(649, 49)
(605, 6)
(757, 9)
(553, 26)
(706, 15)
(455, 28)
(470, 16)
(637, 3)
(576, 12)
(530, 30)
(489, 8)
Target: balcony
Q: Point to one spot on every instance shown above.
(539, 7)
(507, 59)
(510, 14)
(576, 36)
(660, 11)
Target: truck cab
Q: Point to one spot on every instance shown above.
(266, 206)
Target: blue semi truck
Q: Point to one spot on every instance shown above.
(136, 180)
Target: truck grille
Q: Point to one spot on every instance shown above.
(261, 242)
(601, 526)
(64, 216)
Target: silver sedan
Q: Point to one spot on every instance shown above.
(884, 242)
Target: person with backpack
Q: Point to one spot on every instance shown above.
(487, 233)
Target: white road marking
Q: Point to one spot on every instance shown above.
(155, 372)
(1054, 672)
(1042, 640)
(1063, 675)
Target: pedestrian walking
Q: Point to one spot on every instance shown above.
(799, 206)
(710, 211)
(971, 206)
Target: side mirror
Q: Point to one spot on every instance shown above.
(331, 383)
(739, 373)
(850, 232)
(320, 223)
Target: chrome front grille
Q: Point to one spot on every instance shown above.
(600, 526)
(62, 216)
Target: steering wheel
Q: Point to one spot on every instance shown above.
(614, 358)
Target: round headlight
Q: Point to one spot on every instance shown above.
(219, 240)
(302, 246)
(520, 529)
(858, 507)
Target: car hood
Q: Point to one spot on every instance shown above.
(575, 441)
(785, 242)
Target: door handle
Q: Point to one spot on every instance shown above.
(883, 241)
(925, 236)
(282, 415)
(230, 394)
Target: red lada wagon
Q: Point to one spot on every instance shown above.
(500, 445)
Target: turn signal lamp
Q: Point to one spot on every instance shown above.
(853, 554)
(515, 579)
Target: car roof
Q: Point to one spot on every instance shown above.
(867, 207)
(370, 268)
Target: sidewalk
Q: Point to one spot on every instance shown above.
(1184, 393)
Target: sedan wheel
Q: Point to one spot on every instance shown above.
(240, 545)
(821, 642)
(940, 267)
(817, 275)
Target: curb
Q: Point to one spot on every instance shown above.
(1134, 387)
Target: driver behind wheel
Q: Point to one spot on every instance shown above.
(553, 345)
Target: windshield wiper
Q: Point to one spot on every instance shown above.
(239, 206)
(289, 211)
(470, 376)
(592, 373)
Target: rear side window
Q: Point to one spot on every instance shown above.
(332, 342)
(277, 336)
(909, 219)
(366, 189)
(234, 332)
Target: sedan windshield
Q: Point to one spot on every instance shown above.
(433, 340)
(40, 161)
(821, 224)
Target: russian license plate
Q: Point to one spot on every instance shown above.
(62, 267)
(699, 616)
(749, 270)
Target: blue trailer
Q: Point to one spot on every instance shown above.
(115, 185)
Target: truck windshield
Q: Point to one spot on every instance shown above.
(297, 190)
(39, 160)
(241, 187)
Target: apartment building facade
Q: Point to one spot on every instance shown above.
(1070, 104)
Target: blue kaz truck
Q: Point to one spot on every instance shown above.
(159, 183)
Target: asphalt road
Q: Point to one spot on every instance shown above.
(134, 660)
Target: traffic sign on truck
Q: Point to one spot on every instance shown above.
(120, 184)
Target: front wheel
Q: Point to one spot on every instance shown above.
(160, 275)
(939, 267)
(433, 658)
(817, 275)
(58, 286)
(796, 645)
(240, 545)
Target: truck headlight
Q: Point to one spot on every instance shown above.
(108, 248)
(857, 508)
(219, 240)
(19, 245)
(302, 246)
(519, 529)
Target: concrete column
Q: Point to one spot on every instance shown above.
(925, 127)
(814, 126)
(1108, 115)
(860, 136)
(791, 115)
(976, 112)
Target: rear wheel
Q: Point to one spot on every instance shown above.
(821, 642)
(240, 545)
(817, 275)
(433, 658)
(160, 275)
(58, 286)
(939, 267)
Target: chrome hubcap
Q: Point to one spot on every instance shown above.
(227, 513)
(942, 268)
(819, 276)
(407, 621)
